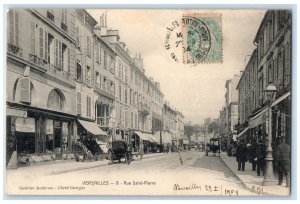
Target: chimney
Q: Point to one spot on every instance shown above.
(103, 24)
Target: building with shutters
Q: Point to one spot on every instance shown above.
(262, 112)
(41, 119)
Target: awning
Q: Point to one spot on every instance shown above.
(151, 138)
(258, 119)
(185, 141)
(243, 132)
(92, 127)
(166, 138)
(142, 135)
(284, 96)
(157, 136)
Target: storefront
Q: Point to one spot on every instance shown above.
(40, 135)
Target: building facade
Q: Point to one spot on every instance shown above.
(71, 78)
(41, 118)
(264, 114)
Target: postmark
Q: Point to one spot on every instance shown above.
(196, 39)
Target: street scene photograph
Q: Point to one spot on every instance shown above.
(149, 102)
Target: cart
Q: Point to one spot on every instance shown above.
(119, 149)
(213, 146)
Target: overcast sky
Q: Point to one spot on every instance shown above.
(197, 91)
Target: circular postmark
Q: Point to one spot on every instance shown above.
(196, 38)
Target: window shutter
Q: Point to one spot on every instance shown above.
(60, 55)
(46, 46)
(25, 90)
(69, 60)
(41, 42)
(78, 103)
(17, 28)
(11, 27)
(32, 37)
(56, 53)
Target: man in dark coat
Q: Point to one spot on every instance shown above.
(252, 155)
(261, 156)
(241, 154)
(283, 155)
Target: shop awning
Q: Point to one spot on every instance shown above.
(258, 118)
(166, 138)
(243, 132)
(92, 127)
(142, 135)
(151, 138)
(281, 98)
(185, 141)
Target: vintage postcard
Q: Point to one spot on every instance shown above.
(155, 102)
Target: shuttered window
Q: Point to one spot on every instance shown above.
(41, 42)
(25, 90)
(14, 34)
(32, 37)
(78, 103)
(88, 106)
(46, 46)
(58, 54)
(64, 16)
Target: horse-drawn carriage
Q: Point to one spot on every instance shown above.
(213, 146)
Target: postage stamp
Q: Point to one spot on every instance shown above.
(202, 38)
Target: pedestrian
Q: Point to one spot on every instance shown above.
(261, 156)
(283, 155)
(241, 154)
(252, 155)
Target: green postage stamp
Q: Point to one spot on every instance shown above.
(202, 38)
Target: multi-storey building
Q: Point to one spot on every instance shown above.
(268, 68)
(231, 104)
(41, 117)
(68, 77)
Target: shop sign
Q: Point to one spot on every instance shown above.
(65, 130)
(49, 127)
(16, 112)
(25, 124)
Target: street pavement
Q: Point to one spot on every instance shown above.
(250, 179)
(186, 173)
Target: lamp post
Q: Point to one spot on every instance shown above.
(269, 178)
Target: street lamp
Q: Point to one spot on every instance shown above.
(269, 178)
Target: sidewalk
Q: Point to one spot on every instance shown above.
(65, 166)
(250, 180)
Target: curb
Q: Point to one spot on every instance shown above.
(91, 167)
(242, 182)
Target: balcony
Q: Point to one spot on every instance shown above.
(64, 27)
(15, 50)
(103, 121)
(59, 72)
(50, 16)
(144, 109)
(37, 60)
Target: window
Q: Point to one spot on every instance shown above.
(112, 88)
(97, 79)
(119, 74)
(64, 16)
(78, 72)
(55, 100)
(97, 53)
(112, 63)
(58, 55)
(88, 46)
(78, 104)
(104, 86)
(126, 75)
(270, 73)
(14, 37)
(120, 93)
(88, 106)
(77, 33)
(126, 96)
(25, 90)
(105, 59)
(32, 37)
(88, 75)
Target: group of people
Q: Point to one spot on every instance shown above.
(255, 153)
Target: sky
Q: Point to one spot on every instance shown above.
(197, 91)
